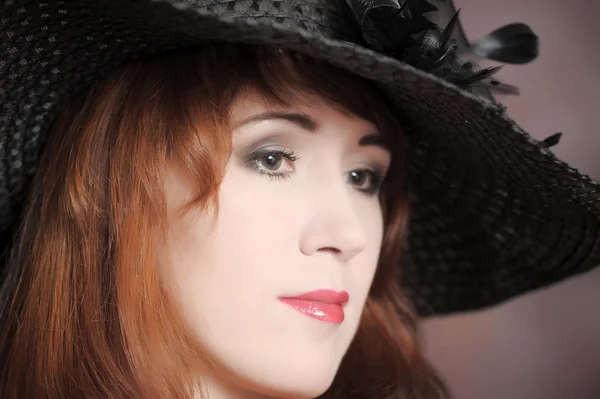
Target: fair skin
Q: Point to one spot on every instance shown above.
(309, 227)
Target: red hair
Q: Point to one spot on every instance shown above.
(84, 313)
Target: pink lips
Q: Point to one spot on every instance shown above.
(324, 305)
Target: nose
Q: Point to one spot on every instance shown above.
(334, 225)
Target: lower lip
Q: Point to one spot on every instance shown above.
(327, 312)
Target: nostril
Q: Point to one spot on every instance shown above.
(331, 249)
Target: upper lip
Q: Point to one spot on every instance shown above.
(324, 296)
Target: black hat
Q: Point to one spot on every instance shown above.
(493, 212)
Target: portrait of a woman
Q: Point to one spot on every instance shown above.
(261, 199)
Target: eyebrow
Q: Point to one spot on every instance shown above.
(305, 122)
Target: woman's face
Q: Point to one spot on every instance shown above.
(298, 213)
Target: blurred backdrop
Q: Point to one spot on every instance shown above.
(545, 345)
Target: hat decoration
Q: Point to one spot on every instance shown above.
(403, 31)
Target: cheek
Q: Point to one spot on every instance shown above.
(219, 273)
(230, 274)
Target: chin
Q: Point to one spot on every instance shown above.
(309, 390)
(295, 382)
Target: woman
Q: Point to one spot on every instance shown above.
(223, 195)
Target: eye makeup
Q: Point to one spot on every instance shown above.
(270, 155)
(269, 162)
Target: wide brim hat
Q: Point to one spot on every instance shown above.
(494, 213)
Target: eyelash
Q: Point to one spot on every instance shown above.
(255, 158)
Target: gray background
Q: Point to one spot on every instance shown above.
(544, 345)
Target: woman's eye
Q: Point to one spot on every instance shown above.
(365, 180)
(271, 163)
